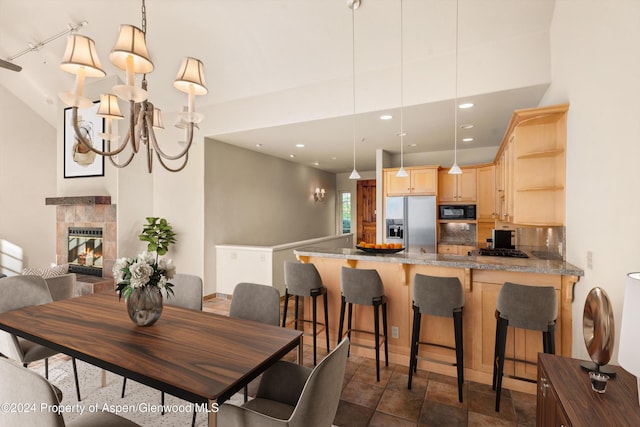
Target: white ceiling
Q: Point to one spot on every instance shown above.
(262, 51)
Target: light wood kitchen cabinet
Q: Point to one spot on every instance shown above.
(421, 181)
(446, 249)
(457, 188)
(530, 168)
(487, 209)
(486, 200)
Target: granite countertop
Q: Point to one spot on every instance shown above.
(529, 265)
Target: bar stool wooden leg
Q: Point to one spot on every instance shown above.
(414, 344)
(386, 335)
(349, 317)
(286, 304)
(457, 326)
(341, 324)
(376, 325)
(296, 314)
(326, 319)
(502, 342)
(315, 326)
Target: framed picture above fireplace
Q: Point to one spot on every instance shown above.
(78, 161)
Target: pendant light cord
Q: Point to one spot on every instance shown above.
(455, 102)
(353, 82)
(401, 86)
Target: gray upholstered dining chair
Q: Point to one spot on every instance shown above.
(62, 287)
(292, 395)
(188, 293)
(260, 303)
(21, 386)
(303, 280)
(19, 292)
(252, 301)
(442, 297)
(526, 307)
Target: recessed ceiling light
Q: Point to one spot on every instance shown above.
(299, 145)
(386, 117)
(466, 126)
(467, 139)
(315, 164)
(292, 155)
(334, 158)
(258, 145)
(466, 105)
(413, 145)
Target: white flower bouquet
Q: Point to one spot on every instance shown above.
(144, 270)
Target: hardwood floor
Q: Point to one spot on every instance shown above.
(433, 400)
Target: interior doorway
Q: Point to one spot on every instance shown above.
(366, 208)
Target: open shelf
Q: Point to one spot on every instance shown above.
(545, 188)
(541, 154)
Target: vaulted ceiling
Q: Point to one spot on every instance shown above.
(280, 72)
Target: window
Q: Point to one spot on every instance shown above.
(345, 199)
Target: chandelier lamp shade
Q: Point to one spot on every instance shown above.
(130, 54)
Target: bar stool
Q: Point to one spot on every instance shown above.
(364, 287)
(443, 297)
(526, 307)
(303, 280)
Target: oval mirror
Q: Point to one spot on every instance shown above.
(599, 330)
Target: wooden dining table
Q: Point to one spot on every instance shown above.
(197, 356)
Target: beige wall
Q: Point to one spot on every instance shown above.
(255, 199)
(27, 176)
(596, 70)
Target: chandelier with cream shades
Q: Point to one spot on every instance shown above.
(130, 55)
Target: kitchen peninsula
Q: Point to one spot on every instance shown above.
(482, 278)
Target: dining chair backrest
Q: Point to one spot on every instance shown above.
(252, 301)
(187, 291)
(62, 287)
(19, 292)
(22, 386)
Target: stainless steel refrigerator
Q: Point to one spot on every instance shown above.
(411, 221)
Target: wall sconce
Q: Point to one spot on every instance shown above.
(318, 195)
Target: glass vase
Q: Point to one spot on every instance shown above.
(145, 305)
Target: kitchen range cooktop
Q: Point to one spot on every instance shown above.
(513, 253)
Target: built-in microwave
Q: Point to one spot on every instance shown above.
(457, 211)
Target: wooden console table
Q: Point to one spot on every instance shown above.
(565, 397)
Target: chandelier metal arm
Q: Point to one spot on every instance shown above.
(170, 169)
(162, 154)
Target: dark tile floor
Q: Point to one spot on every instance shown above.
(432, 401)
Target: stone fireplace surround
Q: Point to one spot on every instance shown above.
(86, 211)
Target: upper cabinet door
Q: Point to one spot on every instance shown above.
(457, 188)
(418, 182)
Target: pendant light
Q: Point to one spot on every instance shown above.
(401, 172)
(455, 169)
(353, 5)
